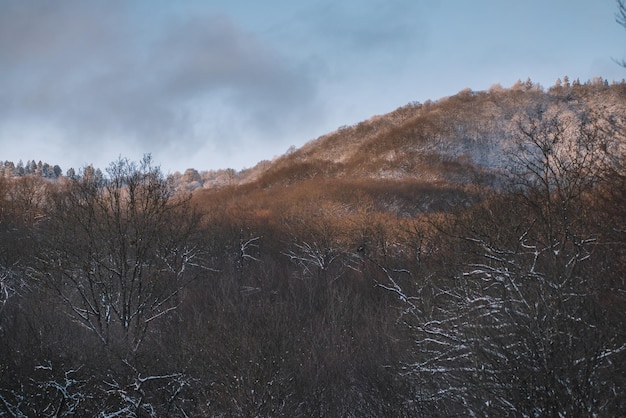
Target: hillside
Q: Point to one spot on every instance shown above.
(420, 157)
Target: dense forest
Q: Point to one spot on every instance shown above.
(462, 257)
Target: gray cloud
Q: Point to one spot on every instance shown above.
(95, 72)
(380, 26)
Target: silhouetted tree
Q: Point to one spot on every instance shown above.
(115, 254)
(621, 19)
(121, 249)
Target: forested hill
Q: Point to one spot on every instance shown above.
(429, 155)
(468, 128)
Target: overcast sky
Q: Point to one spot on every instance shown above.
(228, 83)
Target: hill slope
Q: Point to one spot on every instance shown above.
(420, 157)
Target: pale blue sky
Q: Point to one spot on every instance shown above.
(216, 84)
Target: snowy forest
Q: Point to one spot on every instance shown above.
(459, 257)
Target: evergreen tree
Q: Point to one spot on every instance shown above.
(9, 169)
(566, 82)
(31, 167)
(19, 169)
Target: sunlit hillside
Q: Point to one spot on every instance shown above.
(420, 157)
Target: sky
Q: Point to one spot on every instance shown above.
(228, 83)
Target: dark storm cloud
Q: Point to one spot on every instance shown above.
(95, 70)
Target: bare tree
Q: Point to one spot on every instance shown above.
(115, 253)
(22, 202)
(621, 19)
(122, 249)
(524, 329)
